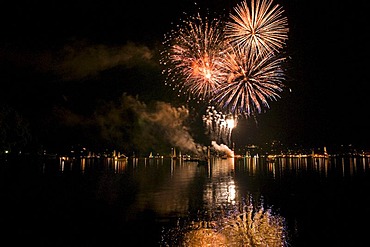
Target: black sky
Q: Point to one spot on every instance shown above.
(71, 54)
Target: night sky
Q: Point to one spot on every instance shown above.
(63, 62)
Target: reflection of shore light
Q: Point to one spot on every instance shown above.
(119, 166)
(83, 164)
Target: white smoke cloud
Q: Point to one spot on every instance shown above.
(223, 149)
(147, 127)
(171, 120)
(81, 59)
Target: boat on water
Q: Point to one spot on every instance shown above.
(199, 161)
(191, 159)
(120, 157)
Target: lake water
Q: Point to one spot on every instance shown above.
(166, 202)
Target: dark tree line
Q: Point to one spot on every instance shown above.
(15, 133)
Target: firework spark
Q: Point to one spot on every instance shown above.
(252, 81)
(218, 125)
(261, 28)
(193, 57)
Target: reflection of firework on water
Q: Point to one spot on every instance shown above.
(253, 80)
(254, 228)
(262, 28)
(249, 226)
(193, 57)
(218, 125)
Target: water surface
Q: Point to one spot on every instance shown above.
(159, 202)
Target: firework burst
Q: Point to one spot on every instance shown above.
(261, 28)
(236, 67)
(252, 81)
(193, 57)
